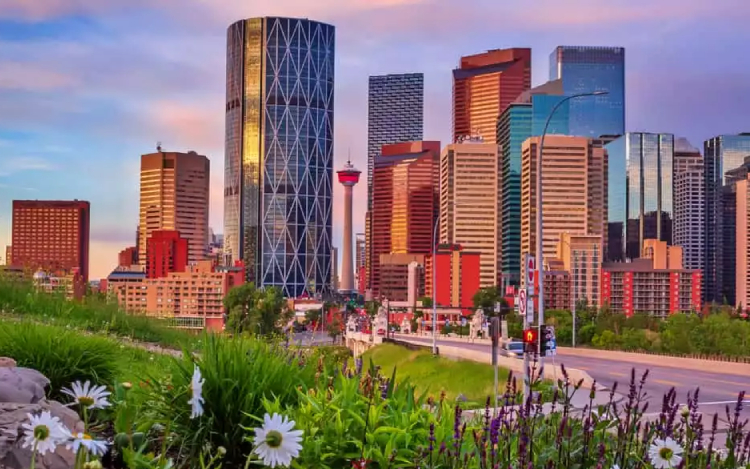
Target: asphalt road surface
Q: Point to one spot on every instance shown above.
(716, 390)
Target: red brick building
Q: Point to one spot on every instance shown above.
(404, 203)
(52, 235)
(483, 86)
(166, 252)
(128, 257)
(458, 276)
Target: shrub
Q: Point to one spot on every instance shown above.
(239, 373)
(61, 355)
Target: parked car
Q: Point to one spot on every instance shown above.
(512, 349)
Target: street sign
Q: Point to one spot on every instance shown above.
(522, 302)
(463, 322)
(530, 271)
(497, 308)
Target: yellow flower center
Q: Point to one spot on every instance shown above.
(273, 439)
(666, 453)
(86, 436)
(86, 401)
(41, 432)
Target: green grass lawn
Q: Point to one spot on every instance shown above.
(434, 375)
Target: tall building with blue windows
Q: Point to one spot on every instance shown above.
(588, 69)
(640, 193)
(279, 152)
(521, 120)
(721, 154)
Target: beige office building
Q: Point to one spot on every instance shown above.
(470, 203)
(574, 180)
(174, 196)
(581, 257)
(742, 242)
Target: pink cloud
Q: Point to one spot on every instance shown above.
(34, 77)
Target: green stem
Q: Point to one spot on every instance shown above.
(33, 455)
(164, 443)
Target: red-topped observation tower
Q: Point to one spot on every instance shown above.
(348, 177)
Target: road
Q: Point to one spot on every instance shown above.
(716, 390)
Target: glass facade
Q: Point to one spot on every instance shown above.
(588, 69)
(721, 154)
(640, 192)
(279, 152)
(542, 105)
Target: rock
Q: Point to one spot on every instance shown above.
(22, 385)
(13, 455)
(6, 362)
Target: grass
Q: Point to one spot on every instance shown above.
(435, 375)
(21, 299)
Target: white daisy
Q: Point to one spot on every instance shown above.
(88, 396)
(196, 390)
(95, 447)
(276, 443)
(665, 454)
(43, 432)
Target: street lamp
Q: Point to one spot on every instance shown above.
(539, 231)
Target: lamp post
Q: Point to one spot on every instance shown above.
(539, 228)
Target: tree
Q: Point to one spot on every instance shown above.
(256, 311)
(485, 299)
(334, 328)
(312, 316)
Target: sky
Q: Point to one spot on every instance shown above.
(87, 86)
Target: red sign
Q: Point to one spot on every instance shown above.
(530, 268)
(522, 302)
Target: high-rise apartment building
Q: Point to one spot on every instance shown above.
(174, 196)
(395, 113)
(278, 175)
(721, 154)
(640, 192)
(524, 118)
(689, 192)
(589, 69)
(166, 251)
(52, 235)
(574, 181)
(742, 249)
(470, 203)
(483, 86)
(404, 207)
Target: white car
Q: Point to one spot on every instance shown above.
(512, 349)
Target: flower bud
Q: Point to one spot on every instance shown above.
(684, 411)
(221, 450)
(127, 385)
(93, 465)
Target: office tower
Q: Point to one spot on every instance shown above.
(574, 180)
(524, 118)
(399, 276)
(689, 192)
(278, 176)
(334, 269)
(52, 235)
(395, 113)
(174, 196)
(742, 268)
(589, 69)
(640, 192)
(483, 86)
(455, 273)
(720, 154)
(404, 208)
(470, 205)
(729, 244)
(9, 255)
(128, 257)
(359, 252)
(166, 251)
(581, 257)
(348, 177)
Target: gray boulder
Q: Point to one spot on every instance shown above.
(13, 455)
(21, 385)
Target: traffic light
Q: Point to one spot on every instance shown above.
(530, 340)
(546, 340)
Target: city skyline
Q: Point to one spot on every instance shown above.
(71, 131)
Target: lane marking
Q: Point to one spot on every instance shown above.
(665, 382)
(746, 401)
(735, 383)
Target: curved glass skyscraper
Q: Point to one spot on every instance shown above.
(279, 152)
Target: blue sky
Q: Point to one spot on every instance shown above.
(86, 86)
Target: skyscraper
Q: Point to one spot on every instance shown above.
(720, 154)
(524, 118)
(483, 86)
(174, 196)
(689, 192)
(395, 113)
(278, 176)
(640, 192)
(574, 180)
(470, 204)
(52, 235)
(588, 69)
(404, 205)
